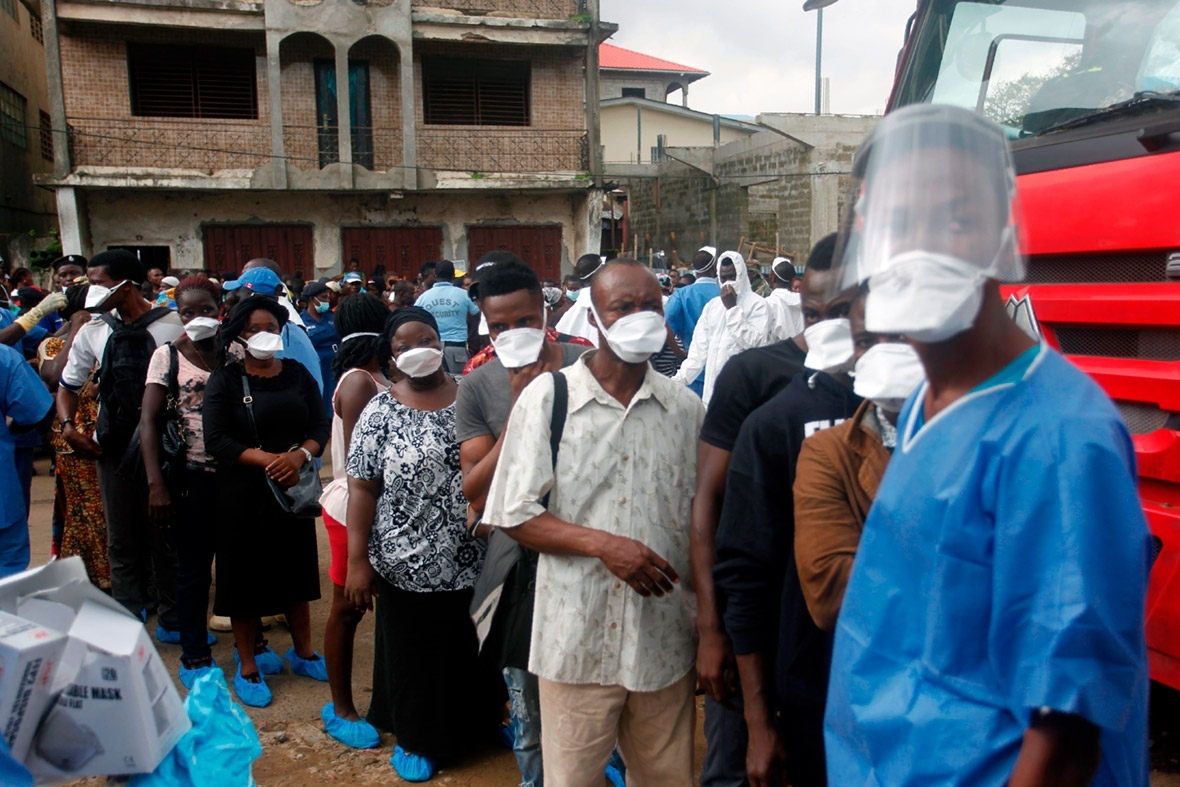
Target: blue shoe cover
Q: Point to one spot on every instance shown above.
(167, 637)
(412, 767)
(256, 695)
(211, 640)
(506, 735)
(143, 615)
(269, 662)
(316, 668)
(189, 676)
(614, 777)
(356, 734)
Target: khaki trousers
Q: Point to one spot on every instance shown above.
(580, 725)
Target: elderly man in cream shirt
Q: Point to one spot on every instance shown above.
(613, 637)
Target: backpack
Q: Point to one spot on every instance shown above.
(122, 377)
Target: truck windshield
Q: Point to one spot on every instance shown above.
(1039, 65)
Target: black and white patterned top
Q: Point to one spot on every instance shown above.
(419, 541)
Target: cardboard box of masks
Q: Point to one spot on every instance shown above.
(116, 710)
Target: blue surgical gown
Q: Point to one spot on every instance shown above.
(1003, 569)
(24, 399)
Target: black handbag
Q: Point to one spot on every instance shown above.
(173, 448)
(301, 500)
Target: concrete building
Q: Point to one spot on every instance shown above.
(637, 130)
(206, 132)
(26, 142)
(786, 182)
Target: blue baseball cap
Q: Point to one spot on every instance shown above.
(262, 280)
(354, 276)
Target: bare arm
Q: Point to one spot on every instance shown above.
(478, 458)
(714, 651)
(766, 756)
(151, 416)
(1059, 749)
(360, 587)
(67, 408)
(631, 561)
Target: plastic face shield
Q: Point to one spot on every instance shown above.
(932, 187)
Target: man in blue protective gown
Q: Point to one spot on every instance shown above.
(25, 404)
(992, 632)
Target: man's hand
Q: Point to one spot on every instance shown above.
(631, 561)
(159, 504)
(728, 296)
(79, 318)
(284, 469)
(83, 446)
(766, 757)
(716, 668)
(361, 586)
(519, 379)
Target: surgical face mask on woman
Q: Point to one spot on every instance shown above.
(419, 361)
(263, 346)
(829, 346)
(322, 307)
(201, 328)
(635, 337)
(887, 374)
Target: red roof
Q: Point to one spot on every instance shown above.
(611, 56)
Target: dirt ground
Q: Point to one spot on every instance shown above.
(297, 751)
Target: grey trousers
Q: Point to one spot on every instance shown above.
(726, 740)
(136, 546)
(454, 359)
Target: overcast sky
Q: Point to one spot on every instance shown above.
(761, 53)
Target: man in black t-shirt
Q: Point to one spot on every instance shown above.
(511, 300)
(782, 657)
(748, 381)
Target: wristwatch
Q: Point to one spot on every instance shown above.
(67, 422)
(306, 453)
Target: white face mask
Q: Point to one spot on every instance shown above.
(636, 337)
(887, 374)
(263, 346)
(519, 346)
(419, 362)
(97, 295)
(201, 328)
(927, 297)
(829, 346)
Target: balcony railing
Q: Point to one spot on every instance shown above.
(157, 143)
(522, 150)
(315, 147)
(522, 9)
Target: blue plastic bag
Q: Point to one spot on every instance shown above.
(219, 749)
(12, 773)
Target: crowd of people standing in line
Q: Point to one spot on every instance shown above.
(893, 539)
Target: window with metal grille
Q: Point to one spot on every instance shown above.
(46, 137)
(9, 7)
(192, 82)
(634, 92)
(461, 91)
(35, 28)
(12, 117)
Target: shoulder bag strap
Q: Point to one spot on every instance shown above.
(248, 400)
(557, 423)
(174, 375)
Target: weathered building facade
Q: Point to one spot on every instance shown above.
(786, 182)
(206, 132)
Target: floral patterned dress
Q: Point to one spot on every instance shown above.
(77, 499)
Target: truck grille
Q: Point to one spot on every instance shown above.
(1089, 269)
(1148, 345)
(1142, 418)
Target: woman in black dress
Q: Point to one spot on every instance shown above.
(266, 559)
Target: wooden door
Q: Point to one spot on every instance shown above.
(402, 250)
(538, 245)
(228, 247)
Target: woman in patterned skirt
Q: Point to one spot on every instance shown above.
(84, 525)
(409, 549)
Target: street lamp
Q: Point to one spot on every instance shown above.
(818, 5)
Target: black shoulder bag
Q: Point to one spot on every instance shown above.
(301, 500)
(502, 605)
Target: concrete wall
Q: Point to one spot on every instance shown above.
(176, 218)
(621, 126)
(613, 82)
(762, 185)
(23, 206)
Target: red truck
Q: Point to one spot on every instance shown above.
(1089, 94)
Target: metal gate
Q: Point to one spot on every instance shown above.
(228, 247)
(537, 245)
(401, 250)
